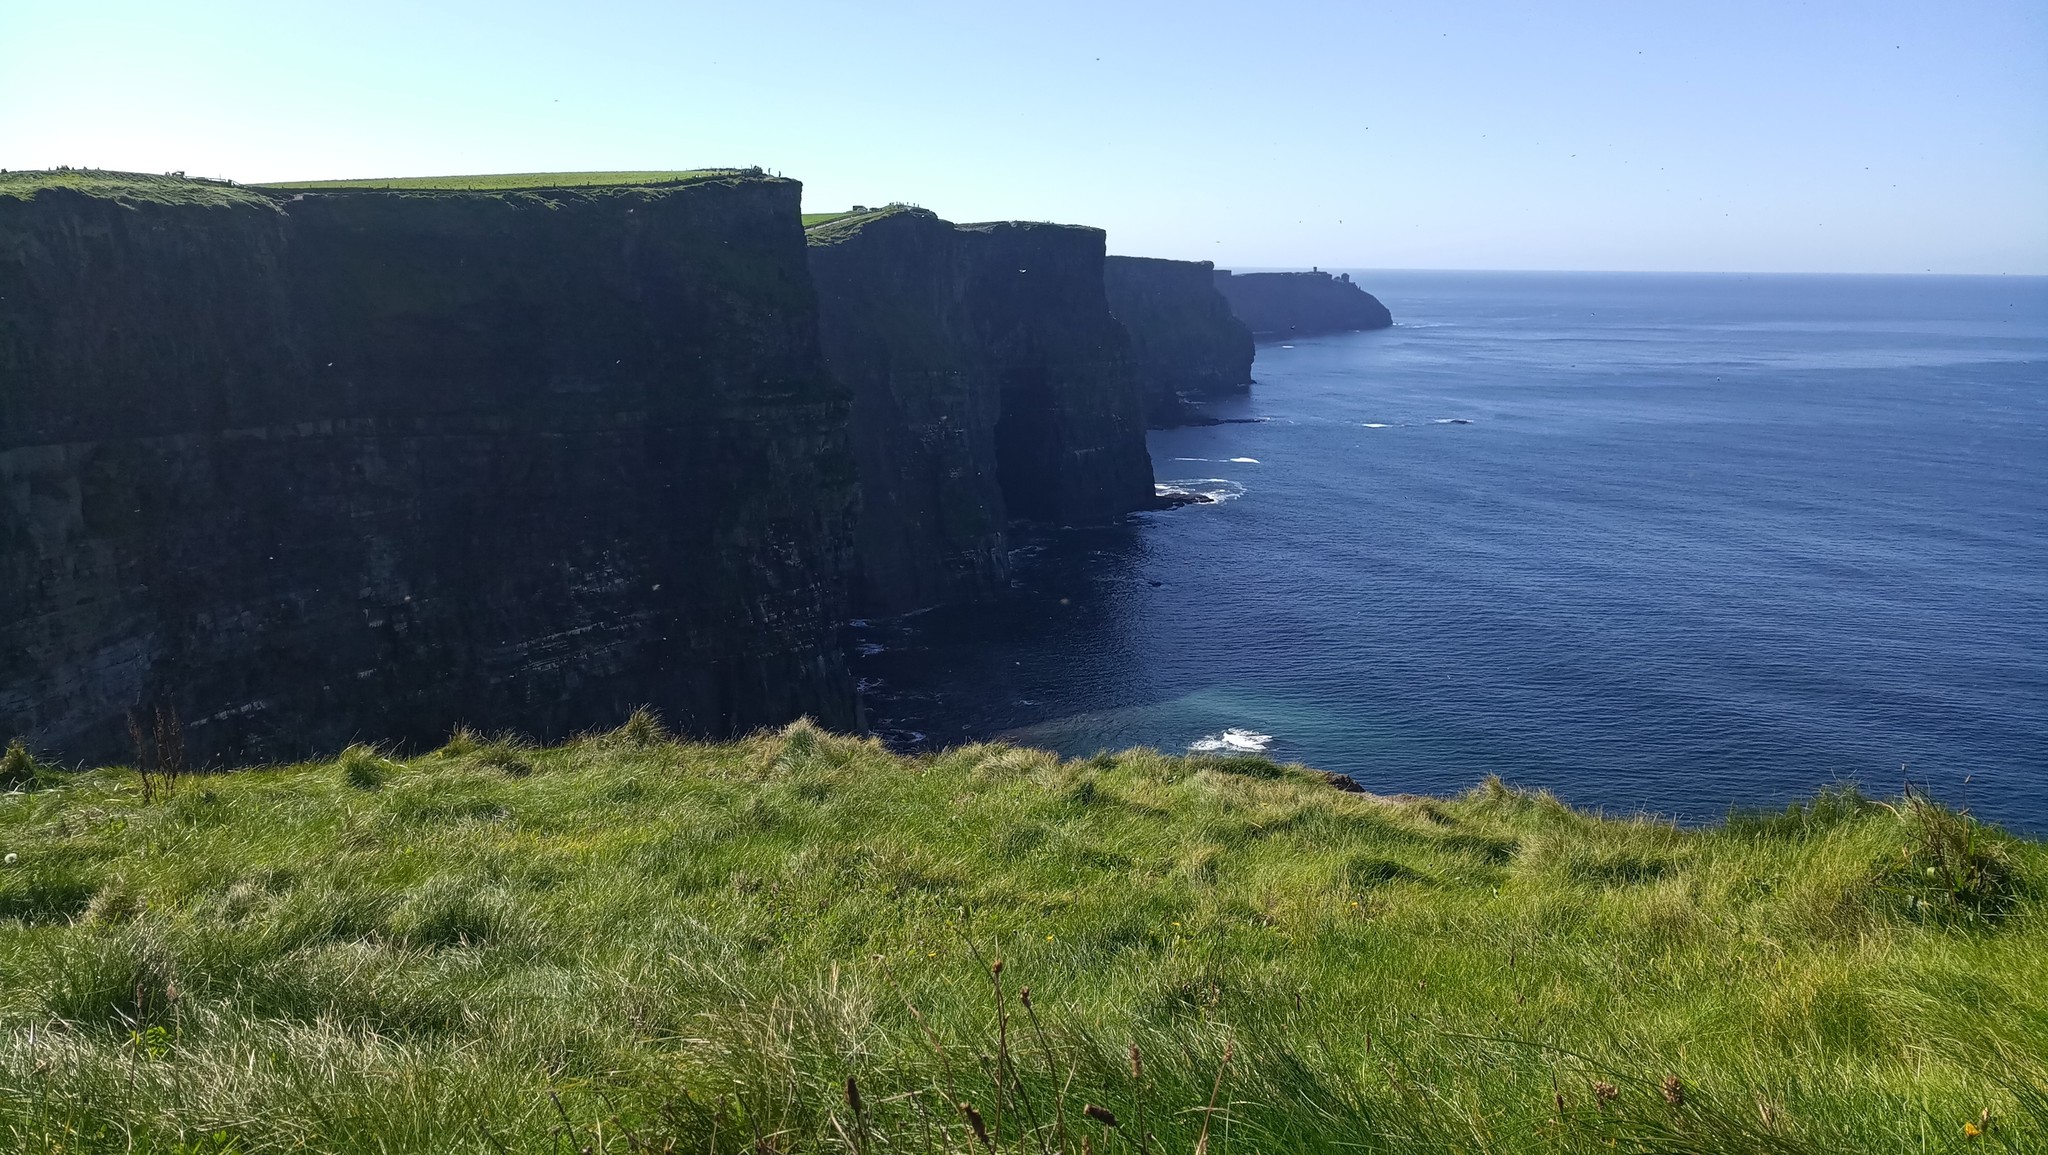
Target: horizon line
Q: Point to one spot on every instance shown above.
(1927, 273)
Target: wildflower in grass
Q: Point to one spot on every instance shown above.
(10, 859)
(1972, 1131)
(1604, 1092)
(1674, 1091)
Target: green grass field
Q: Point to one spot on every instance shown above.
(159, 188)
(172, 189)
(831, 228)
(493, 182)
(791, 943)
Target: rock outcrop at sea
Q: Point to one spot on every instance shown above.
(1280, 304)
(298, 467)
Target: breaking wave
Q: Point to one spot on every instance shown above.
(1214, 488)
(1232, 741)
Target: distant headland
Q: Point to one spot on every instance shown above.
(1282, 304)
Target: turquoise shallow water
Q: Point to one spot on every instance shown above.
(1656, 542)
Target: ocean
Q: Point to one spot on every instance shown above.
(1659, 543)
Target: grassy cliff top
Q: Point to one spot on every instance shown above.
(175, 189)
(159, 188)
(493, 182)
(830, 228)
(1174, 263)
(790, 943)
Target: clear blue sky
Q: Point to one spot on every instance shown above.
(1842, 136)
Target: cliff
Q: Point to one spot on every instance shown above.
(1277, 304)
(989, 382)
(301, 465)
(1184, 339)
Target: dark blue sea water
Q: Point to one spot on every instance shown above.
(1656, 542)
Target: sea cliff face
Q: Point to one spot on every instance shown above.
(989, 382)
(1070, 444)
(304, 467)
(1277, 304)
(1185, 342)
(895, 320)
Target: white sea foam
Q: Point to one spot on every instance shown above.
(1214, 488)
(1377, 425)
(1245, 460)
(1232, 741)
(870, 649)
(1190, 459)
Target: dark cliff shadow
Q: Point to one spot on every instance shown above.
(954, 674)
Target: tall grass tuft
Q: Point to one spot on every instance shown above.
(363, 768)
(642, 729)
(1950, 868)
(18, 768)
(462, 743)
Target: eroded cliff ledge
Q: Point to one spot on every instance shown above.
(989, 382)
(1278, 304)
(304, 466)
(1185, 342)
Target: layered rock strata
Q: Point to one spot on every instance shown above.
(990, 382)
(1185, 342)
(302, 467)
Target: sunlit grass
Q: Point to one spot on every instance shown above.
(517, 180)
(627, 943)
(169, 188)
(157, 188)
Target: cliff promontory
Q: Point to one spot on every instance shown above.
(295, 466)
(989, 381)
(1278, 304)
(1185, 342)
